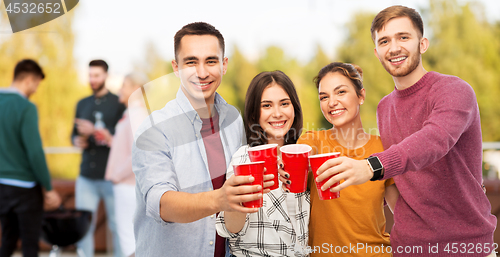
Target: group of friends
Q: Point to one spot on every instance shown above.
(425, 165)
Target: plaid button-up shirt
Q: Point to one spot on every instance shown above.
(270, 232)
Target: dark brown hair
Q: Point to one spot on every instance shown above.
(197, 28)
(99, 63)
(27, 67)
(254, 132)
(351, 71)
(397, 11)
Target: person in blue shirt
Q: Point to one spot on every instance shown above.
(181, 153)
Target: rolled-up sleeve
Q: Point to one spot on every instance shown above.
(154, 170)
(152, 199)
(239, 157)
(220, 225)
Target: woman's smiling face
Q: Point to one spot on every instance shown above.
(276, 112)
(338, 99)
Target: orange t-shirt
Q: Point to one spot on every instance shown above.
(354, 223)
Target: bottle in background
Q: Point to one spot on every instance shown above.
(99, 125)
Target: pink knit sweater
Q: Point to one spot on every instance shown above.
(432, 134)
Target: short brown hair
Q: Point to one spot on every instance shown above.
(350, 71)
(199, 29)
(254, 133)
(99, 63)
(27, 67)
(396, 11)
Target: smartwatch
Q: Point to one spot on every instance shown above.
(376, 166)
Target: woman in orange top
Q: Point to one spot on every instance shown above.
(354, 224)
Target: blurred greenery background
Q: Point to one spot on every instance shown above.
(462, 43)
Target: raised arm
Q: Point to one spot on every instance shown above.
(454, 109)
(184, 207)
(157, 181)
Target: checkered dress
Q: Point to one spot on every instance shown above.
(269, 232)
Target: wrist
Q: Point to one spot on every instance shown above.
(217, 199)
(369, 171)
(375, 167)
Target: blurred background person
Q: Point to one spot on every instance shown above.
(119, 168)
(24, 175)
(101, 109)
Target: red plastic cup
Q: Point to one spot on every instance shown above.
(316, 161)
(99, 137)
(297, 165)
(269, 154)
(256, 170)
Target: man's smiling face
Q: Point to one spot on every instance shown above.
(397, 46)
(200, 65)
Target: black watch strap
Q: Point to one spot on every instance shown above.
(376, 167)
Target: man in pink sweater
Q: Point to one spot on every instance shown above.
(431, 130)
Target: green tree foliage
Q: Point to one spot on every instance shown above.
(163, 84)
(153, 65)
(464, 44)
(308, 92)
(240, 72)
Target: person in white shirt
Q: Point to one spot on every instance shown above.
(280, 228)
(119, 166)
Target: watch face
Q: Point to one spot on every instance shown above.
(375, 163)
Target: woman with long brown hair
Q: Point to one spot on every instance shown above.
(272, 115)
